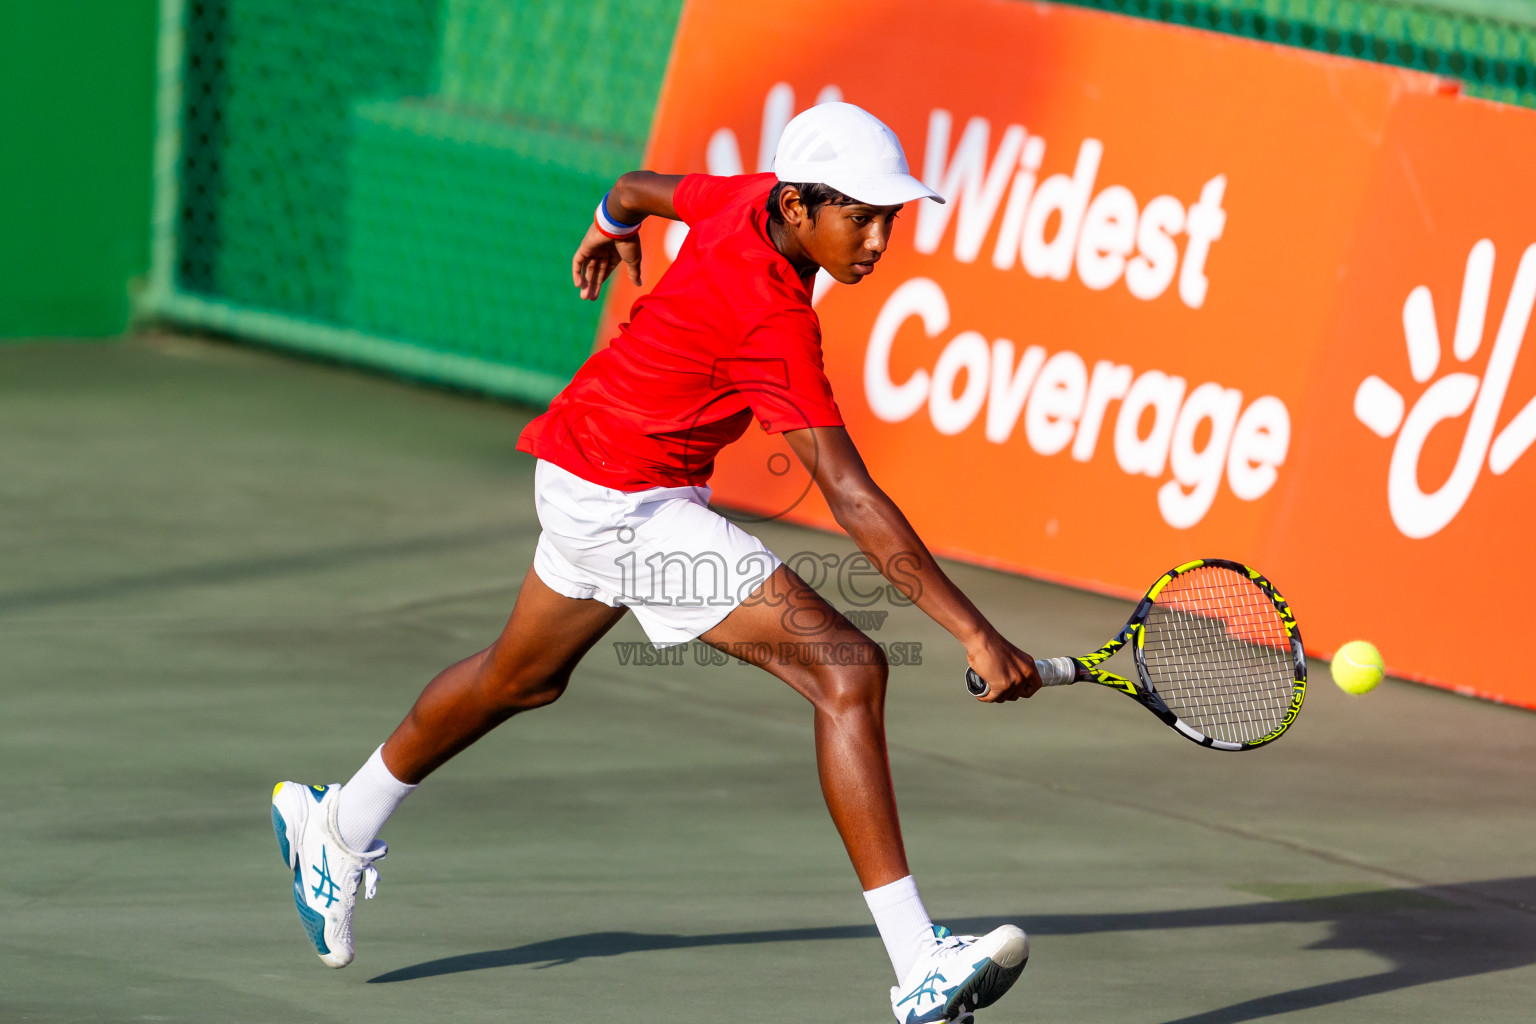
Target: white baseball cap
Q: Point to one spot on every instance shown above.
(852, 150)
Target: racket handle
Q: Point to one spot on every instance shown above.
(1053, 672)
(1056, 671)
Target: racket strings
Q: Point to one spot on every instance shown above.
(1219, 655)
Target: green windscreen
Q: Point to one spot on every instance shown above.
(411, 170)
(402, 182)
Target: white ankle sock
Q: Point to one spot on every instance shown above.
(368, 801)
(904, 925)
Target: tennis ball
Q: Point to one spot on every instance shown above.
(1357, 667)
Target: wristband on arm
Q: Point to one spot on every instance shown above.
(610, 227)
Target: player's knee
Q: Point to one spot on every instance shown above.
(527, 689)
(856, 684)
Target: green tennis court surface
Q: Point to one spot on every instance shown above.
(222, 568)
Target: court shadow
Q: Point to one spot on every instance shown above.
(1430, 934)
(555, 952)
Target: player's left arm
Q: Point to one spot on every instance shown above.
(634, 197)
(882, 532)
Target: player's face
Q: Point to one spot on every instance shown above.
(845, 241)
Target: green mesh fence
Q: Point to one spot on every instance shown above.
(400, 182)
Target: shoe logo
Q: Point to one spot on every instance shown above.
(928, 988)
(1380, 406)
(318, 792)
(326, 887)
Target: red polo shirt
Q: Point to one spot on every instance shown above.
(728, 333)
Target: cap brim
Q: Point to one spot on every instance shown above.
(885, 189)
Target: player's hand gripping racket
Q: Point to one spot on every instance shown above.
(1218, 657)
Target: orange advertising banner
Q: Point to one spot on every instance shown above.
(1191, 296)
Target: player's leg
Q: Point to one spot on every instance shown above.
(327, 835)
(786, 616)
(788, 629)
(527, 667)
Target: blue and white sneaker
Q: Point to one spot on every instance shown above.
(325, 870)
(960, 975)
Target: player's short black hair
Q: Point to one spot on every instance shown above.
(813, 194)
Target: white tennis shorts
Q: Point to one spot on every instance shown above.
(662, 552)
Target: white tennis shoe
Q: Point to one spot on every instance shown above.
(960, 975)
(326, 871)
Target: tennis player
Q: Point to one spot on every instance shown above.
(624, 456)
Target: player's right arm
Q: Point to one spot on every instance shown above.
(634, 197)
(883, 533)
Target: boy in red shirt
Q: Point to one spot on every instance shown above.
(625, 453)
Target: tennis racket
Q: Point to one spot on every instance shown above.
(1218, 657)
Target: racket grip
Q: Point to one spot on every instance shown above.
(1053, 672)
(1056, 671)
